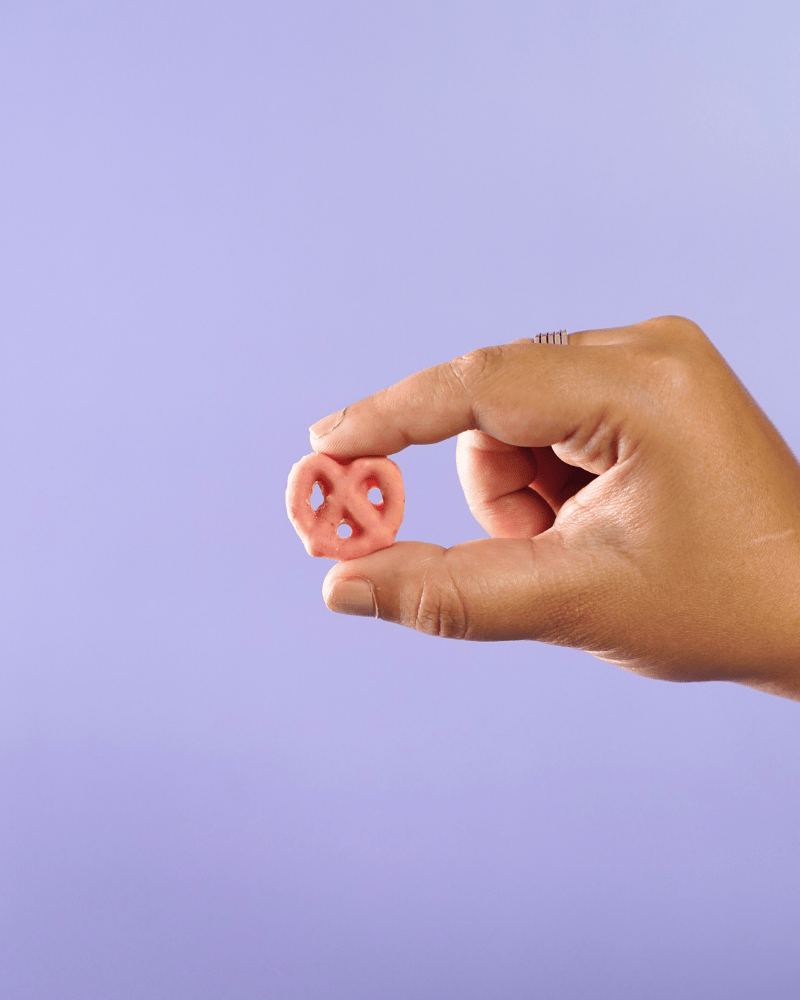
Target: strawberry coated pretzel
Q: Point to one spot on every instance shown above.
(345, 485)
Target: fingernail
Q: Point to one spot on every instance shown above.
(353, 597)
(327, 424)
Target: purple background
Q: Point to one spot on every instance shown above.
(219, 221)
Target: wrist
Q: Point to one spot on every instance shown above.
(779, 671)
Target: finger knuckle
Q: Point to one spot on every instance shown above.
(473, 369)
(594, 445)
(685, 330)
(663, 372)
(672, 331)
(440, 611)
(670, 377)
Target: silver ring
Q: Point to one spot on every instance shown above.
(559, 337)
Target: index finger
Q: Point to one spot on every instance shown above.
(525, 394)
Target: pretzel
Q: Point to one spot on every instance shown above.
(345, 485)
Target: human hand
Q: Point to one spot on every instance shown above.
(641, 506)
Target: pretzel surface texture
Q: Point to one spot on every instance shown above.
(346, 504)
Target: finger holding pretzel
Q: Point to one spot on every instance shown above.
(640, 505)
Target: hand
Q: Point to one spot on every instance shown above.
(641, 506)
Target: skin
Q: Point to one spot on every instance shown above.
(641, 506)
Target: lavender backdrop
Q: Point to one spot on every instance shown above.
(220, 221)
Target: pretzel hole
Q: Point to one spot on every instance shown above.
(317, 498)
(344, 531)
(375, 496)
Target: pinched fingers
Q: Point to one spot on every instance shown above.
(680, 561)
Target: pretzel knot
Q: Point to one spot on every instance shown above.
(345, 486)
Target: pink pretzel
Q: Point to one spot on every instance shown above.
(345, 485)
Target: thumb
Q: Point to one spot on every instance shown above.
(491, 589)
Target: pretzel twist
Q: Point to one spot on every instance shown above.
(345, 486)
